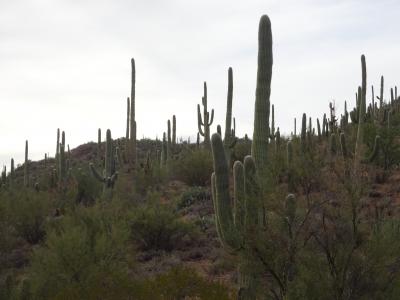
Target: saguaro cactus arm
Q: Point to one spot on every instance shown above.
(230, 236)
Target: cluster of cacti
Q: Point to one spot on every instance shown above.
(204, 122)
(238, 226)
(110, 174)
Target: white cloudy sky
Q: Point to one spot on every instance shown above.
(66, 63)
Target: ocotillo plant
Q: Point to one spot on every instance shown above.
(109, 175)
(26, 166)
(204, 123)
(259, 148)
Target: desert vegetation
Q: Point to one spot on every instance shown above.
(313, 214)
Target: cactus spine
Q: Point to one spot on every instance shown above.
(205, 121)
(259, 148)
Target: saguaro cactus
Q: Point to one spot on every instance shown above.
(164, 151)
(133, 143)
(229, 138)
(173, 131)
(237, 224)
(360, 133)
(272, 128)
(205, 121)
(109, 175)
(259, 148)
(62, 166)
(26, 166)
(303, 137)
(58, 143)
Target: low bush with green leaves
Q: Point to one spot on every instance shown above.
(194, 167)
(158, 227)
(193, 195)
(84, 257)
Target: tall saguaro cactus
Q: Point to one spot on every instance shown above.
(173, 131)
(109, 175)
(26, 166)
(133, 143)
(229, 138)
(259, 148)
(362, 99)
(205, 121)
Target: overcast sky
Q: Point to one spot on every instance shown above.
(66, 63)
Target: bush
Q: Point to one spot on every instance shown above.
(157, 227)
(27, 211)
(194, 167)
(193, 195)
(181, 283)
(84, 257)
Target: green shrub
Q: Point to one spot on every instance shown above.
(193, 195)
(27, 211)
(157, 227)
(84, 257)
(181, 283)
(194, 167)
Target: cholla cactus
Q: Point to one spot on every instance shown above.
(205, 121)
